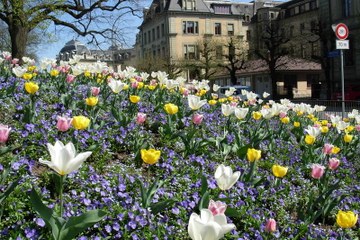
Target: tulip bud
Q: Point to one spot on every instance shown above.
(95, 91)
(317, 171)
(140, 118)
(70, 78)
(327, 149)
(217, 207)
(197, 118)
(4, 133)
(346, 219)
(270, 225)
(334, 163)
(63, 123)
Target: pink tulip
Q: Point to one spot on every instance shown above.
(140, 118)
(95, 91)
(357, 127)
(197, 118)
(70, 78)
(217, 207)
(317, 171)
(334, 163)
(327, 148)
(15, 61)
(233, 104)
(63, 124)
(282, 114)
(4, 133)
(270, 225)
(134, 84)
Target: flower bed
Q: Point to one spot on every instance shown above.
(162, 152)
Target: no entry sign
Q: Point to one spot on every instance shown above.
(341, 31)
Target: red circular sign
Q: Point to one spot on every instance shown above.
(341, 31)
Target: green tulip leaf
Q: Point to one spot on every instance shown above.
(160, 206)
(77, 224)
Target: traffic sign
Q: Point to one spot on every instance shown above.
(341, 31)
(332, 54)
(342, 44)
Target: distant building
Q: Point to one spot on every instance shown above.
(115, 56)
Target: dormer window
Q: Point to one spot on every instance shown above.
(222, 9)
(189, 4)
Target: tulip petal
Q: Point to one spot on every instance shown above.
(219, 171)
(50, 165)
(71, 149)
(233, 179)
(75, 164)
(194, 226)
(206, 215)
(211, 231)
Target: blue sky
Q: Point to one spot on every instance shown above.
(50, 50)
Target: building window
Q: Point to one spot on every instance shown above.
(292, 11)
(189, 4)
(272, 15)
(302, 8)
(145, 39)
(222, 9)
(190, 52)
(291, 32)
(162, 30)
(217, 28)
(149, 36)
(313, 5)
(190, 27)
(297, 10)
(230, 29)
(346, 8)
(153, 34)
(248, 35)
(315, 49)
(313, 26)
(302, 28)
(158, 32)
(219, 52)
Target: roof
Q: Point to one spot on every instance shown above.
(286, 63)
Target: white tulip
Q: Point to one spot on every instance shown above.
(195, 102)
(116, 86)
(265, 95)
(64, 159)
(208, 227)
(225, 178)
(19, 71)
(227, 109)
(313, 131)
(216, 87)
(241, 113)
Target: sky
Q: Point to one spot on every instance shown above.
(50, 50)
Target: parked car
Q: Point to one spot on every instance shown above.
(351, 93)
(237, 93)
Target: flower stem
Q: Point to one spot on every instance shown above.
(61, 204)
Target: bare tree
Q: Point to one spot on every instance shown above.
(274, 47)
(149, 64)
(92, 18)
(235, 57)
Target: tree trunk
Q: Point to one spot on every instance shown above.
(273, 85)
(19, 36)
(233, 77)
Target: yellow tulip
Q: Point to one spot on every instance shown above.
(348, 138)
(80, 122)
(150, 156)
(256, 115)
(253, 154)
(140, 85)
(31, 87)
(222, 100)
(346, 219)
(126, 87)
(91, 101)
(335, 150)
(171, 108)
(324, 122)
(87, 74)
(31, 68)
(296, 124)
(309, 139)
(27, 76)
(54, 73)
(134, 98)
(285, 120)
(279, 171)
(202, 92)
(299, 113)
(349, 129)
(212, 102)
(151, 87)
(324, 129)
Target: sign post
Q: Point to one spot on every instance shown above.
(342, 32)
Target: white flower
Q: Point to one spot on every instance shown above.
(313, 131)
(75, 59)
(265, 95)
(341, 125)
(195, 102)
(64, 159)
(227, 109)
(208, 227)
(216, 87)
(225, 178)
(241, 113)
(230, 92)
(267, 113)
(319, 108)
(19, 71)
(116, 86)
(353, 113)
